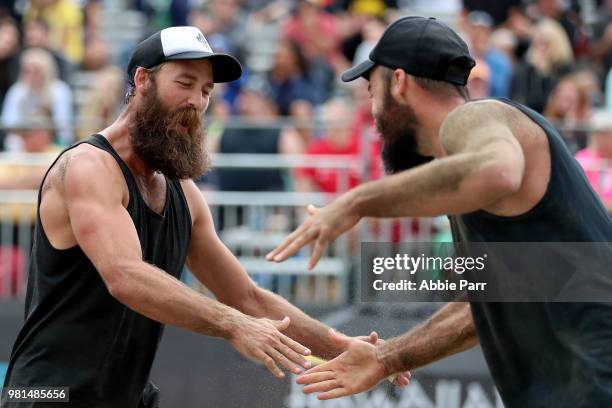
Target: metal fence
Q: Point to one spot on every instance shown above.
(250, 223)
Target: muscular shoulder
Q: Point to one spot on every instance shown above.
(85, 169)
(475, 120)
(478, 114)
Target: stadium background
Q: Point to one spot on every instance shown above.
(285, 135)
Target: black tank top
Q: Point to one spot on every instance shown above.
(547, 354)
(75, 333)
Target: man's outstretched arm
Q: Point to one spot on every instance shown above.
(484, 164)
(362, 366)
(449, 331)
(219, 270)
(106, 233)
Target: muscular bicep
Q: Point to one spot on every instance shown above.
(209, 259)
(100, 223)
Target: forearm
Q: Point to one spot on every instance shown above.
(457, 184)
(303, 328)
(449, 331)
(154, 293)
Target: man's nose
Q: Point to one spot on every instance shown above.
(197, 101)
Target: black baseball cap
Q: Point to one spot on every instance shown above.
(182, 43)
(422, 47)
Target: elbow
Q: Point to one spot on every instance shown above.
(116, 281)
(503, 180)
(116, 287)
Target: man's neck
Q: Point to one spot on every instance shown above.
(118, 136)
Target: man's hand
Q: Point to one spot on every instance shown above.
(322, 226)
(356, 370)
(400, 380)
(262, 340)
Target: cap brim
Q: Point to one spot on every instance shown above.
(361, 70)
(225, 67)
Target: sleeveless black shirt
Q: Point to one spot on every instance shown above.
(547, 354)
(75, 333)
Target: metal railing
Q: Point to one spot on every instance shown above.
(249, 223)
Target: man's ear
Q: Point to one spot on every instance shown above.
(399, 85)
(140, 79)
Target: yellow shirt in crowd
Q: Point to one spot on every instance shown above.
(65, 20)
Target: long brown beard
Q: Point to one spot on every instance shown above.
(160, 140)
(398, 127)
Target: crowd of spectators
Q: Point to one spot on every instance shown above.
(554, 56)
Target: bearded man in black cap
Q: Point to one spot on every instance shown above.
(501, 173)
(118, 218)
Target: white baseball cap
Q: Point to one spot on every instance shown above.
(182, 43)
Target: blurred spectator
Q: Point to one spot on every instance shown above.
(302, 117)
(504, 41)
(289, 77)
(38, 90)
(65, 20)
(259, 134)
(36, 35)
(9, 55)
(479, 81)
(7, 9)
(371, 32)
(588, 80)
(601, 45)
(499, 10)
(358, 27)
(522, 27)
(608, 90)
(566, 14)
(500, 66)
(93, 18)
(165, 13)
(230, 21)
(224, 24)
(179, 10)
(596, 160)
(103, 101)
(315, 32)
(442, 7)
(569, 109)
(548, 59)
(96, 55)
(338, 139)
(35, 135)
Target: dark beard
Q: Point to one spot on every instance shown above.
(158, 139)
(398, 126)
